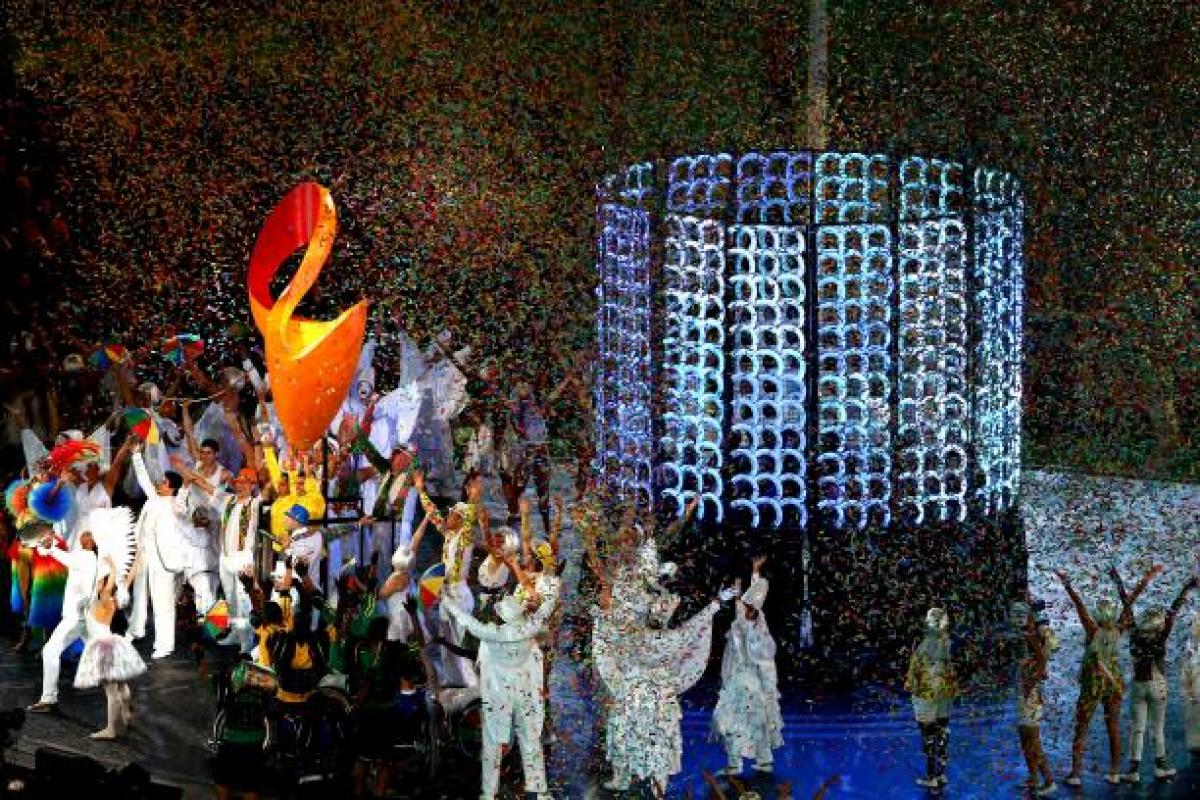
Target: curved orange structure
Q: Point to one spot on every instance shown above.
(311, 362)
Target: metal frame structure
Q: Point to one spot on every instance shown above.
(810, 337)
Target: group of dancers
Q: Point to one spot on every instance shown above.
(231, 517)
(228, 517)
(931, 680)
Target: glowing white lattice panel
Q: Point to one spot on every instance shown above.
(933, 420)
(930, 188)
(999, 293)
(854, 288)
(700, 184)
(622, 436)
(851, 187)
(631, 187)
(768, 405)
(774, 188)
(693, 367)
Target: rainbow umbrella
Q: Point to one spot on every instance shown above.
(216, 620)
(141, 422)
(430, 585)
(181, 347)
(106, 355)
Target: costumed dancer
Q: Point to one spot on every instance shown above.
(933, 686)
(1100, 678)
(393, 497)
(1039, 642)
(646, 666)
(510, 664)
(458, 544)
(443, 389)
(1191, 688)
(160, 541)
(1148, 649)
(747, 716)
(206, 562)
(50, 504)
(397, 589)
(80, 588)
(20, 557)
(109, 660)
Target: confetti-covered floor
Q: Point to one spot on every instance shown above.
(868, 741)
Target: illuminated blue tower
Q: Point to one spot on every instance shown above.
(811, 341)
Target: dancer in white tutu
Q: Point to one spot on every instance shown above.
(109, 660)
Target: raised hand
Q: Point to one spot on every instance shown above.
(757, 562)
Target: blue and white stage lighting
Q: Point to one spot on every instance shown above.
(822, 333)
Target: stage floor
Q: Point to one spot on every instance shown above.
(868, 740)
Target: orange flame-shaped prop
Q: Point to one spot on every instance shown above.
(311, 362)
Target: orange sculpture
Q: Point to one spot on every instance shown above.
(311, 362)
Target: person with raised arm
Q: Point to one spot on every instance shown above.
(1100, 679)
(510, 664)
(747, 717)
(161, 542)
(109, 660)
(1148, 651)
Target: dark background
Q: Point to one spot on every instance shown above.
(142, 145)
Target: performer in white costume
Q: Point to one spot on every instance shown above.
(77, 597)
(160, 541)
(109, 660)
(646, 666)
(510, 664)
(747, 716)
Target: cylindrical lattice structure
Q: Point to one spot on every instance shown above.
(805, 337)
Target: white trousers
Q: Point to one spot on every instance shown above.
(1149, 700)
(525, 714)
(231, 587)
(204, 587)
(155, 587)
(380, 540)
(65, 633)
(456, 670)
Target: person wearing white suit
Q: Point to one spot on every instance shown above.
(510, 664)
(81, 581)
(160, 538)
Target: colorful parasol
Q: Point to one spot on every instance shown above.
(141, 422)
(182, 347)
(216, 620)
(106, 355)
(430, 585)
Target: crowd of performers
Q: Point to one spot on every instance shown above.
(931, 680)
(363, 570)
(325, 572)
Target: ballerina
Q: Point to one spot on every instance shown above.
(109, 660)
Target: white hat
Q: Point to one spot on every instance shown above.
(512, 541)
(402, 558)
(154, 393)
(936, 619)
